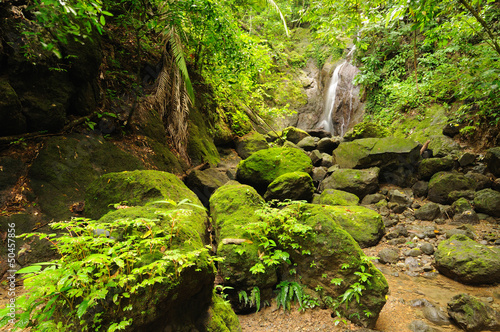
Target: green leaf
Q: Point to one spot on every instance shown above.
(30, 269)
(82, 308)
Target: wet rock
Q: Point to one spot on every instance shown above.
(360, 182)
(467, 261)
(482, 181)
(429, 211)
(308, 143)
(293, 185)
(427, 248)
(388, 256)
(488, 201)
(471, 314)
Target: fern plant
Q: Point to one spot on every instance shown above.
(288, 291)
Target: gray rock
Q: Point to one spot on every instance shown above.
(326, 160)
(429, 211)
(372, 199)
(443, 183)
(466, 217)
(420, 188)
(428, 167)
(427, 248)
(318, 174)
(316, 157)
(307, 143)
(450, 232)
(360, 182)
(435, 315)
(388, 256)
(492, 159)
(482, 181)
(466, 159)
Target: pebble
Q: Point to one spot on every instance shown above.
(427, 248)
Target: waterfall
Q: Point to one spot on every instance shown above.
(339, 104)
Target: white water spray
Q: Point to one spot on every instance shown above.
(326, 121)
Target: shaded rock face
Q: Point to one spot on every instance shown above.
(467, 261)
(36, 97)
(488, 201)
(443, 184)
(492, 159)
(471, 314)
(359, 182)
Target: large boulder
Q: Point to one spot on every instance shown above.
(67, 164)
(359, 182)
(294, 135)
(443, 184)
(488, 201)
(334, 256)
(293, 185)
(471, 314)
(336, 197)
(134, 188)
(467, 261)
(365, 225)
(250, 143)
(397, 158)
(232, 207)
(264, 166)
(492, 159)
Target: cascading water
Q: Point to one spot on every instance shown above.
(337, 111)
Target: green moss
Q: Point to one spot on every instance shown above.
(366, 130)
(264, 166)
(336, 197)
(201, 147)
(293, 185)
(164, 159)
(134, 188)
(422, 127)
(294, 135)
(348, 154)
(222, 317)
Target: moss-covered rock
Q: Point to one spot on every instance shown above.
(201, 147)
(293, 185)
(488, 201)
(233, 207)
(335, 254)
(134, 188)
(428, 167)
(359, 182)
(364, 225)
(467, 261)
(471, 314)
(264, 166)
(492, 159)
(336, 197)
(428, 211)
(67, 164)
(221, 317)
(12, 120)
(366, 130)
(250, 143)
(294, 135)
(442, 184)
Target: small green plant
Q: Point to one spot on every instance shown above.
(253, 300)
(95, 278)
(288, 291)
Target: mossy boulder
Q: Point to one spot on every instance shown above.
(359, 182)
(488, 201)
(366, 130)
(335, 254)
(264, 166)
(492, 159)
(443, 146)
(428, 211)
(134, 188)
(293, 185)
(200, 146)
(364, 225)
(471, 314)
(336, 197)
(233, 207)
(250, 143)
(294, 135)
(221, 317)
(397, 158)
(67, 164)
(428, 167)
(443, 185)
(467, 261)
